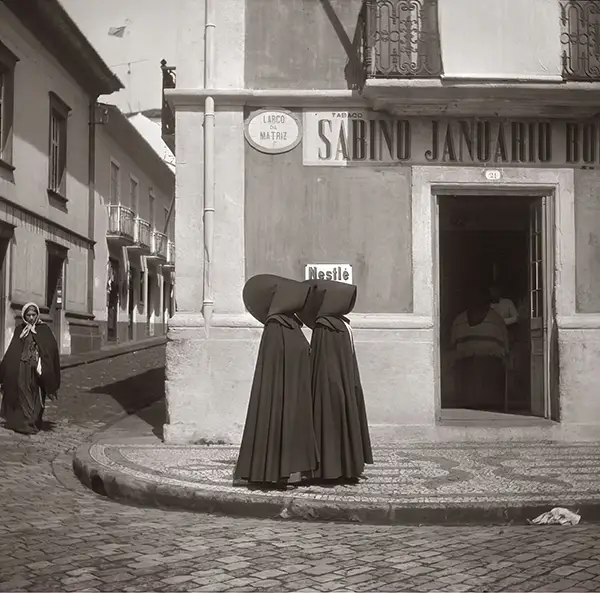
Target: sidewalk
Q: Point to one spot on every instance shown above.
(505, 477)
(72, 360)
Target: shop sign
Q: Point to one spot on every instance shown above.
(338, 272)
(363, 137)
(273, 130)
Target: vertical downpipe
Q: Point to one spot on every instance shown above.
(209, 163)
(91, 203)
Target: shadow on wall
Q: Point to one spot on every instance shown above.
(354, 69)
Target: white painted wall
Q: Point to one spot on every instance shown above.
(108, 148)
(36, 74)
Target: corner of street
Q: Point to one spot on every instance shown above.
(57, 535)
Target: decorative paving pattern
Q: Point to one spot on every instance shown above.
(418, 473)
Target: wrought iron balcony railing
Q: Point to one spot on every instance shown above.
(167, 115)
(120, 221)
(171, 253)
(400, 38)
(142, 233)
(580, 39)
(159, 244)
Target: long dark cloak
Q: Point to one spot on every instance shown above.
(278, 438)
(339, 411)
(11, 372)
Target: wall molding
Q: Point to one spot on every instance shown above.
(181, 99)
(20, 217)
(374, 321)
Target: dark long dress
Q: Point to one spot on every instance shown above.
(278, 438)
(340, 417)
(24, 391)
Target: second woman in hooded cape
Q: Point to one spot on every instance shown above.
(278, 438)
(339, 411)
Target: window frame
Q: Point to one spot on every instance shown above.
(8, 63)
(134, 204)
(152, 208)
(58, 110)
(111, 199)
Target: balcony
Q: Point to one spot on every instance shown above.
(580, 39)
(142, 235)
(411, 67)
(159, 246)
(400, 39)
(120, 223)
(170, 263)
(167, 115)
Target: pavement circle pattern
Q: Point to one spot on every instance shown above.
(418, 473)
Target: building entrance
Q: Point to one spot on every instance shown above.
(498, 247)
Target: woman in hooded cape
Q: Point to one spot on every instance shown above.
(339, 411)
(278, 438)
(29, 372)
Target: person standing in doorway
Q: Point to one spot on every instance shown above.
(503, 306)
(480, 340)
(29, 372)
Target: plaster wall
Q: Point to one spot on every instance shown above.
(108, 150)
(587, 217)
(304, 44)
(297, 215)
(37, 73)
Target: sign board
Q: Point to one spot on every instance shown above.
(273, 130)
(337, 272)
(363, 137)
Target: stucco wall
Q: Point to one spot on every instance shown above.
(301, 43)
(36, 74)
(297, 215)
(106, 148)
(587, 220)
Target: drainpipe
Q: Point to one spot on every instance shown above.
(209, 161)
(91, 202)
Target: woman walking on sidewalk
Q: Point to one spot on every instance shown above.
(29, 372)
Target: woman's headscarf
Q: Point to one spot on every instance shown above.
(30, 327)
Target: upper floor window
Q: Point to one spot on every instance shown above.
(57, 162)
(115, 183)
(8, 62)
(151, 208)
(134, 195)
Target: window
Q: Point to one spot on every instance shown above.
(134, 195)
(57, 163)
(8, 62)
(165, 226)
(142, 291)
(115, 183)
(151, 208)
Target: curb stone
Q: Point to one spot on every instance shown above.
(124, 488)
(72, 360)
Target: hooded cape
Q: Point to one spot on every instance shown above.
(278, 438)
(339, 411)
(50, 357)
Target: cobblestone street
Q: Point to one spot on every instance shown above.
(57, 536)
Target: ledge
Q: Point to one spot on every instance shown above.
(54, 195)
(181, 98)
(579, 321)
(6, 166)
(377, 321)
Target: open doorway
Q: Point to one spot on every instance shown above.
(501, 242)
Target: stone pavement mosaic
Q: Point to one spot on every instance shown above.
(56, 535)
(415, 473)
